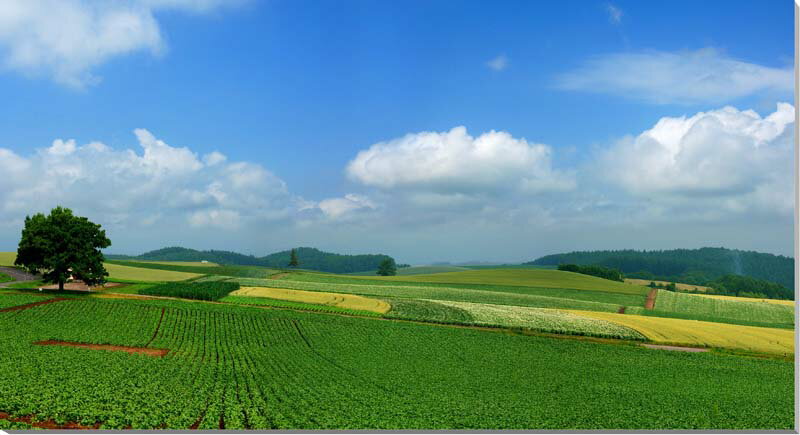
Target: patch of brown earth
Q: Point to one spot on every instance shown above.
(278, 275)
(31, 305)
(47, 424)
(112, 347)
(677, 348)
(621, 310)
(650, 303)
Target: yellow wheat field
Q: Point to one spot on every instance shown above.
(737, 298)
(352, 302)
(699, 333)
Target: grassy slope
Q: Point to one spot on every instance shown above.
(444, 293)
(687, 303)
(352, 302)
(699, 333)
(415, 270)
(741, 299)
(7, 258)
(523, 278)
(678, 285)
(240, 271)
(116, 271)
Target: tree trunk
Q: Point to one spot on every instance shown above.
(61, 286)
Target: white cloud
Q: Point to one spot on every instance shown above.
(499, 63)
(162, 184)
(686, 77)
(455, 162)
(66, 39)
(723, 160)
(336, 208)
(614, 13)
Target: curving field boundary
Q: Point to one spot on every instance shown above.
(352, 302)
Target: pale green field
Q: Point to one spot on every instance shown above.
(522, 277)
(7, 258)
(753, 310)
(415, 270)
(180, 263)
(116, 271)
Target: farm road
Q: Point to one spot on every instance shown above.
(17, 274)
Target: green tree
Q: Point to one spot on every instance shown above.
(62, 244)
(387, 267)
(293, 261)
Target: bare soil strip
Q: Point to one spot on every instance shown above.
(621, 310)
(278, 275)
(144, 350)
(47, 424)
(677, 348)
(31, 305)
(650, 303)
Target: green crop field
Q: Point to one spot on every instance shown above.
(198, 269)
(5, 278)
(685, 303)
(525, 278)
(10, 299)
(415, 270)
(238, 367)
(449, 294)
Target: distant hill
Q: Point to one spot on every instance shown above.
(310, 258)
(691, 266)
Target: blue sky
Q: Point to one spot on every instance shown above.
(294, 91)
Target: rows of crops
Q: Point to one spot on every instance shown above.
(544, 320)
(438, 293)
(348, 301)
(206, 290)
(686, 303)
(13, 299)
(240, 367)
(278, 303)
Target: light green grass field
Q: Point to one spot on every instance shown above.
(116, 271)
(524, 278)
(181, 263)
(7, 258)
(421, 291)
(416, 270)
(687, 303)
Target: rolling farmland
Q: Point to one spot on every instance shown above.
(351, 302)
(699, 333)
(738, 309)
(236, 367)
(128, 273)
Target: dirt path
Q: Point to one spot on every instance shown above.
(31, 305)
(650, 303)
(129, 349)
(18, 275)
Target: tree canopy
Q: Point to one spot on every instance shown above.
(387, 267)
(61, 245)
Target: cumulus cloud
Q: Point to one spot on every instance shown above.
(499, 63)
(686, 77)
(337, 208)
(161, 184)
(725, 160)
(455, 162)
(66, 39)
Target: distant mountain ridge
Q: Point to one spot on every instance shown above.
(310, 258)
(691, 266)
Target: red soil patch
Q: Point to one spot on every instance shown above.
(47, 424)
(129, 349)
(31, 305)
(621, 310)
(678, 348)
(651, 300)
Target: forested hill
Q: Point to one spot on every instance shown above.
(692, 266)
(309, 258)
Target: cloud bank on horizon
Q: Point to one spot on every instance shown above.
(712, 174)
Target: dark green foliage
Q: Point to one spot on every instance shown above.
(250, 368)
(745, 286)
(61, 245)
(387, 268)
(598, 271)
(427, 311)
(691, 266)
(293, 259)
(207, 290)
(313, 259)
